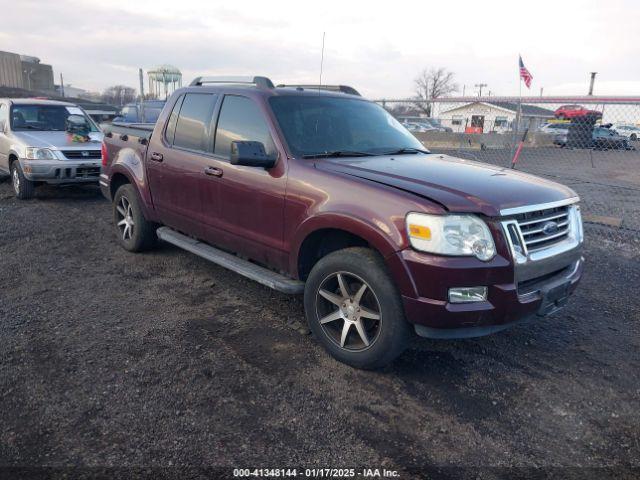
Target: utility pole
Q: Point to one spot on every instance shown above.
(593, 80)
(464, 87)
(142, 117)
(480, 86)
(28, 72)
(61, 86)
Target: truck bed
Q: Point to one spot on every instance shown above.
(136, 130)
(133, 137)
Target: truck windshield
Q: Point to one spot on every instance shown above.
(45, 117)
(315, 125)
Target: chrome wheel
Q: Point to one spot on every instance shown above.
(125, 218)
(16, 180)
(348, 311)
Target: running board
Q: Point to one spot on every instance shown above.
(243, 267)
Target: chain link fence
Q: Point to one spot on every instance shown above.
(591, 144)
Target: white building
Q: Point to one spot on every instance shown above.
(486, 117)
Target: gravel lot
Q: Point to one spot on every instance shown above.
(111, 359)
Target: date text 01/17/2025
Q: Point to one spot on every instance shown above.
(315, 472)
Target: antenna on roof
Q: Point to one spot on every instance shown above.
(321, 62)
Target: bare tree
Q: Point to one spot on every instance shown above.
(118, 95)
(433, 83)
(396, 109)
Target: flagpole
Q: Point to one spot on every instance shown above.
(515, 150)
(519, 99)
(514, 135)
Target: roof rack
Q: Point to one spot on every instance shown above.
(332, 88)
(258, 81)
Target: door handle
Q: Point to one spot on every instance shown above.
(156, 157)
(213, 171)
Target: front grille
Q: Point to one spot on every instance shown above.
(80, 172)
(87, 172)
(544, 228)
(81, 154)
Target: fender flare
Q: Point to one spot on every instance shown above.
(137, 178)
(388, 244)
(385, 244)
(12, 153)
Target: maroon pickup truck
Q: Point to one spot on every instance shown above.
(315, 190)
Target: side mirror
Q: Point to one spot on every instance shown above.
(250, 154)
(3, 126)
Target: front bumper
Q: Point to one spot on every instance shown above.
(509, 300)
(61, 171)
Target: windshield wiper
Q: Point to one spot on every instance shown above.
(339, 153)
(401, 151)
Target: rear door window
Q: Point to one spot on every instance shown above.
(170, 131)
(192, 125)
(241, 119)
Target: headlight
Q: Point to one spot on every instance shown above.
(34, 153)
(460, 235)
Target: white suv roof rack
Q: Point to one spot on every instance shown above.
(258, 81)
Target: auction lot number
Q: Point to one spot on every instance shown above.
(315, 472)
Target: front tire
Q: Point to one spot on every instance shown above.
(22, 187)
(354, 309)
(134, 232)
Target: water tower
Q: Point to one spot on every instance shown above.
(164, 80)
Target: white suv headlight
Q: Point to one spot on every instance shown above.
(34, 153)
(459, 235)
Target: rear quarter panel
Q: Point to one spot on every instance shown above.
(126, 157)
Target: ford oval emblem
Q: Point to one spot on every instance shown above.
(549, 228)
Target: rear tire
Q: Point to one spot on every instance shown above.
(134, 232)
(22, 187)
(354, 309)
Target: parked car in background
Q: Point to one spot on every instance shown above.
(632, 132)
(132, 113)
(560, 139)
(555, 128)
(608, 139)
(325, 193)
(429, 122)
(436, 124)
(415, 127)
(45, 141)
(575, 111)
(601, 138)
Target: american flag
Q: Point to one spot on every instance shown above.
(524, 74)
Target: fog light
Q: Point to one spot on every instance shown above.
(467, 294)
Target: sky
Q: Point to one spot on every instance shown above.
(377, 47)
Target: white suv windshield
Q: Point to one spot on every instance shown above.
(44, 117)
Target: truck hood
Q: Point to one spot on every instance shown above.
(457, 184)
(56, 140)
